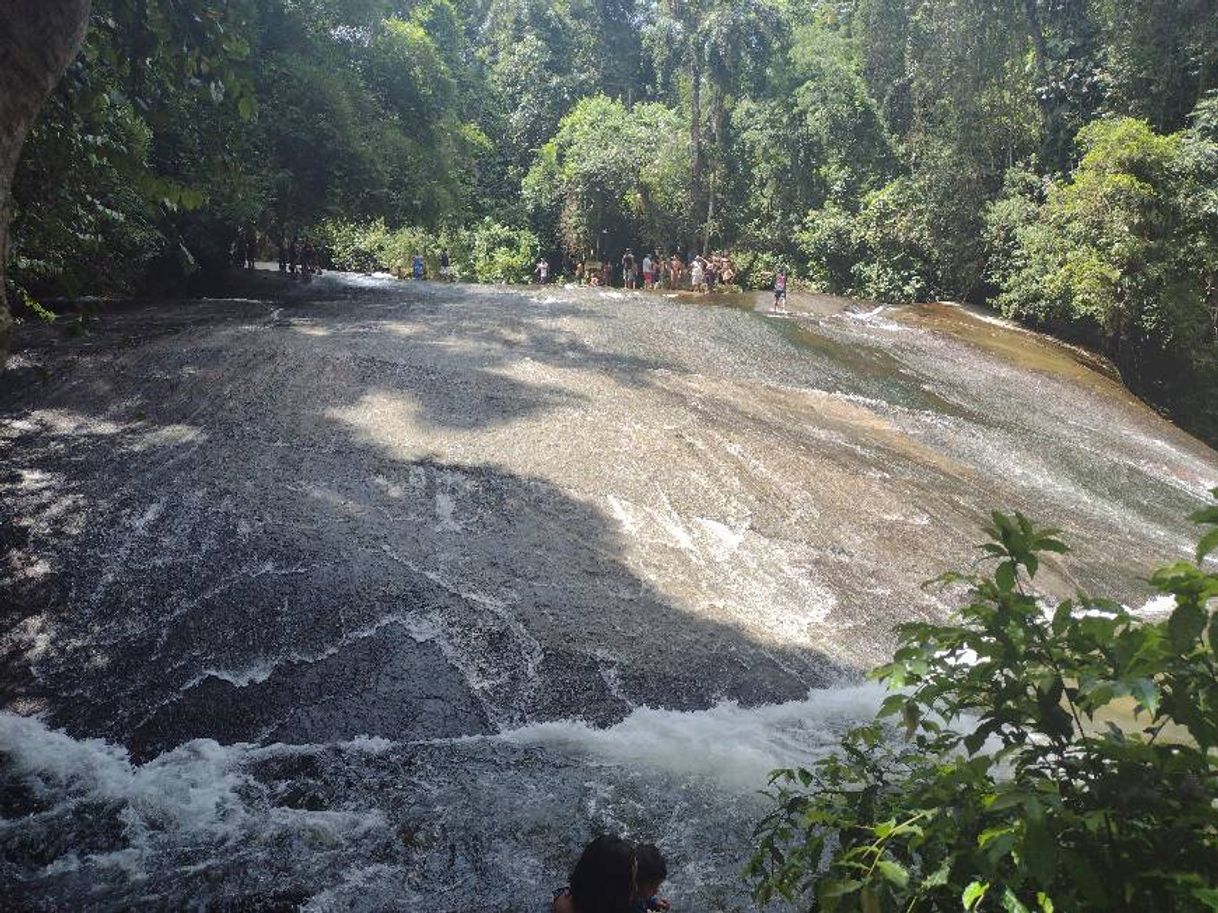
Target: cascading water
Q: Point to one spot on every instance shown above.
(475, 823)
(378, 597)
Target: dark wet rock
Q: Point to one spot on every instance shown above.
(457, 576)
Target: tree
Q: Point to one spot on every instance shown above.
(1003, 782)
(38, 39)
(712, 49)
(613, 176)
(1124, 251)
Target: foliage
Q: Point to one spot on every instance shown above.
(1013, 788)
(485, 251)
(612, 176)
(497, 253)
(1126, 246)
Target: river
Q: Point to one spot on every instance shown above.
(364, 595)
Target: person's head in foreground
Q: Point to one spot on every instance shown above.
(603, 880)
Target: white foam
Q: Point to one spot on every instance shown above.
(198, 790)
(735, 746)
(1157, 607)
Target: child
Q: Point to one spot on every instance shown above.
(650, 874)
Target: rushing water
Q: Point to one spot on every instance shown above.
(373, 596)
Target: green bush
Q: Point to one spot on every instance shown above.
(496, 253)
(1010, 791)
(486, 251)
(757, 268)
(1124, 251)
(356, 248)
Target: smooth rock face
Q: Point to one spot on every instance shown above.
(350, 524)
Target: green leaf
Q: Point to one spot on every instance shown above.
(893, 872)
(1061, 617)
(1039, 850)
(1032, 563)
(1052, 545)
(839, 888)
(1208, 896)
(893, 703)
(1185, 625)
(1044, 901)
(1011, 903)
(910, 715)
(938, 878)
(1206, 514)
(1146, 693)
(1005, 576)
(247, 107)
(972, 894)
(1208, 543)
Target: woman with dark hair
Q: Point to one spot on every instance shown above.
(603, 879)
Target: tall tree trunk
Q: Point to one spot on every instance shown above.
(1037, 34)
(697, 180)
(38, 39)
(1052, 146)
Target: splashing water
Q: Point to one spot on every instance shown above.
(358, 824)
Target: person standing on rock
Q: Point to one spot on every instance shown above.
(251, 247)
(780, 289)
(628, 268)
(676, 270)
(697, 275)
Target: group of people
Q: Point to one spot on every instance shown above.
(614, 875)
(297, 255)
(655, 270)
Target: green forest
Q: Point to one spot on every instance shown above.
(1054, 159)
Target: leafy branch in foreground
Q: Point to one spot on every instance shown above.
(1052, 758)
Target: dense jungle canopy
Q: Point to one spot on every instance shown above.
(1057, 159)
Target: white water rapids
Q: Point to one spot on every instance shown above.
(279, 825)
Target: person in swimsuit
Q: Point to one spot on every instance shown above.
(628, 269)
(780, 289)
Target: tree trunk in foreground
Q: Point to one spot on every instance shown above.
(38, 39)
